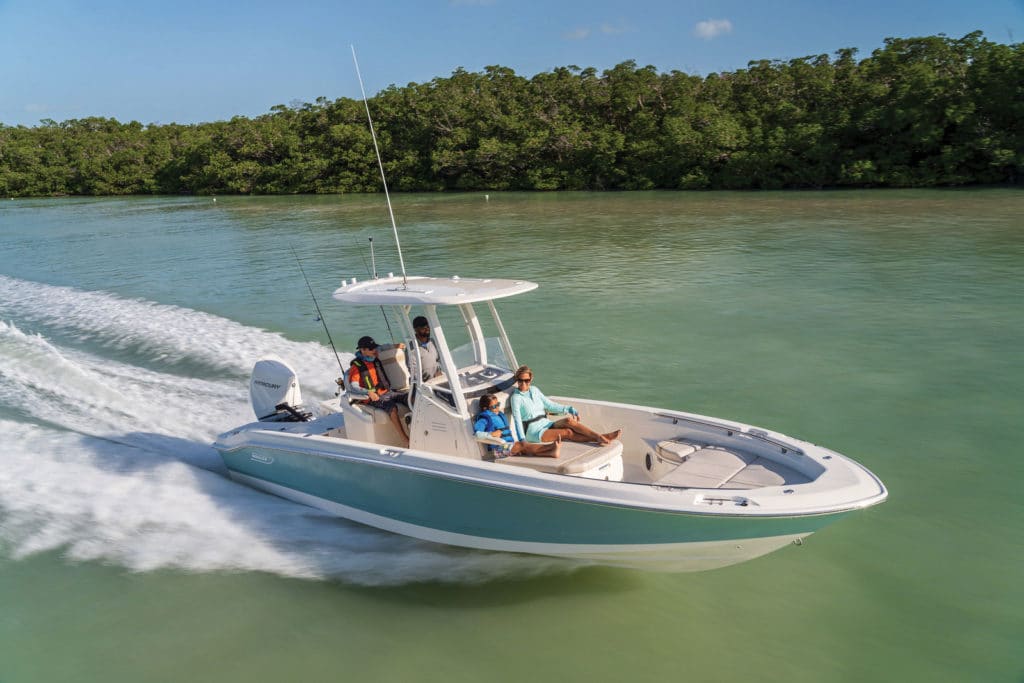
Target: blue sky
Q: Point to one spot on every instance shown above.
(189, 60)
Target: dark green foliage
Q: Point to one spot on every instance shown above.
(918, 112)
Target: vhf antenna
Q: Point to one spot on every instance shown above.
(373, 260)
(380, 164)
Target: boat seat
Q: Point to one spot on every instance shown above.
(677, 450)
(713, 467)
(764, 472)
(576, 458)
(487, 442)
(393, 362)
(706, 467)
(366, 423)
(376, 415)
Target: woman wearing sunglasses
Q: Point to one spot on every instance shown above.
(491, 421)
(530, 408)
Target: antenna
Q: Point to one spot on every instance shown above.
(380, 164)
(373, 259)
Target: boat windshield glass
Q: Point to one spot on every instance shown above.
(455, 332)
(477, 351)
(464, 356)
(462, 343)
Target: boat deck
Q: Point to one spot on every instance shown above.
(678, 462)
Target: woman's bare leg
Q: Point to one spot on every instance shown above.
(582, 431)
(549, 449)
(566, 434)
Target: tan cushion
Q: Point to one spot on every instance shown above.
(764, 472)
(707, 468)
(676, 449)
(377, 415)
(393, 361)
(575, 458)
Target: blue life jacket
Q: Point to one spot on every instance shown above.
(489, 421)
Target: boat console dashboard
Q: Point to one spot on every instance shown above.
(475, 380)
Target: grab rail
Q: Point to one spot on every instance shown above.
(730, 430)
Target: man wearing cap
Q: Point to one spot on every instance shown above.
(428, 356)
(366, 381)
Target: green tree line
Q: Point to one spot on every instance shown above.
(932, 111)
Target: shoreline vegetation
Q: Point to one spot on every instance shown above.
(919, 112)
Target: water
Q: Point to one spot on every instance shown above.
(886, 325)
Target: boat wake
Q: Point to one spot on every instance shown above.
(109, 406)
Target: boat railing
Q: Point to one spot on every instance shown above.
(730, 430)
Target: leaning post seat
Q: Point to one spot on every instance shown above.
(366, 423)
(393, 362)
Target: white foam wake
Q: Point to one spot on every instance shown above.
(101, 397)
(111, 461)
(161, 333)
(103, 502)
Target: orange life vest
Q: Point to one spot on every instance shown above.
(365, 374)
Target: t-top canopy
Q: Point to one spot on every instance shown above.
(391, 291)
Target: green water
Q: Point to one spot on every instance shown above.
(887, 325)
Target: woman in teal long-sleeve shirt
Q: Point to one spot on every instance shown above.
(530, 408)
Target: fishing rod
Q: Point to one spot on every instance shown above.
(372, 274)
(373, 260)
(380, 164)
(319, 313)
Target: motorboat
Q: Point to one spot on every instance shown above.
(677, 491)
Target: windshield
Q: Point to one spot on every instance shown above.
(465, 358)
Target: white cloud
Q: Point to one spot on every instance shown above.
(615, 29)
(712, 28)
(607, 28)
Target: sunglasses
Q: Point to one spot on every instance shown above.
(524, 379)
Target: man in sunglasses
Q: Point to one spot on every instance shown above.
(427, 356)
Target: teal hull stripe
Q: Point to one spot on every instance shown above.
(491, 511)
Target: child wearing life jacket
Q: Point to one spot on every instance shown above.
(491, 421)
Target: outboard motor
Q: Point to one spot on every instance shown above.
(275, 394)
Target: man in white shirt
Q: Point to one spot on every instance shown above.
(428, 355)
